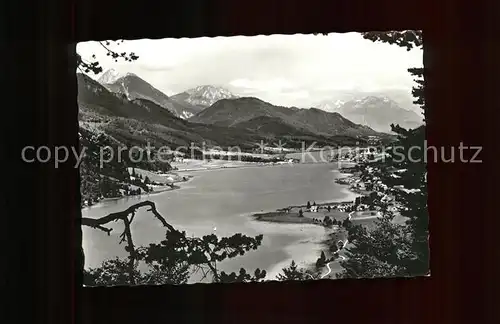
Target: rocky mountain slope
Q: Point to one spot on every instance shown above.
(133, 87)
(110, 76)
(203, 96)
(139, 121)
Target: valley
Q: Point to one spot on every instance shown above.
(126, 112)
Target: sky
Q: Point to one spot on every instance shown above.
(287, 70)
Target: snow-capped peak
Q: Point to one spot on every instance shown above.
(207, 95)
(372, 99)
(209, 91)
(382, 100)
(110, 76)
(330, 106)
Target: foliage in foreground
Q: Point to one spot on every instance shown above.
(392, 248)
(173, 260)
(293, 272)
(178, 257)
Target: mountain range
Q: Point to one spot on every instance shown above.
(133, 112)
(139, 121)
(262, 117)
(374, 110)
(126, 111)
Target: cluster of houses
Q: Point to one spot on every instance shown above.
(357, 155)
(379, 192)
(342, 207)
(359, 205)
(374, 140)
(373, 190)
(358, 184)
(288, 161)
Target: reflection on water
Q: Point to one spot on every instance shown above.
(223, 199)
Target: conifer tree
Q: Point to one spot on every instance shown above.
(321, 260)
(293, 272)
(395, 248)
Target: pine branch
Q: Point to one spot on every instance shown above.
(127, 233)
(95, 222)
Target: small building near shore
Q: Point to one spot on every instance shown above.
(362, 207)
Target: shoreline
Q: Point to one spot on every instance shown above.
(302, 254)
(319, 244)
(243, 166)
(219, 167)
(161, 189)
(189, 177)
(282, 215)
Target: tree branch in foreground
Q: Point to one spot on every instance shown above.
(98, 222)
(127, 234)
(178, 249)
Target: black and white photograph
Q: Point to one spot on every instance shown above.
(253, 158)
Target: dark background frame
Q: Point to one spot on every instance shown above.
(41, 203)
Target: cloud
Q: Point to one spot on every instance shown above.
(269, 85)
(301, 94)
(157, 68)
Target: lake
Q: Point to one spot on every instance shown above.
(220, 201)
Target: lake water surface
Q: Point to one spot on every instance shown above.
(220, 201)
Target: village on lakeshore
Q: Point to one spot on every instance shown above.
(335, 214)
